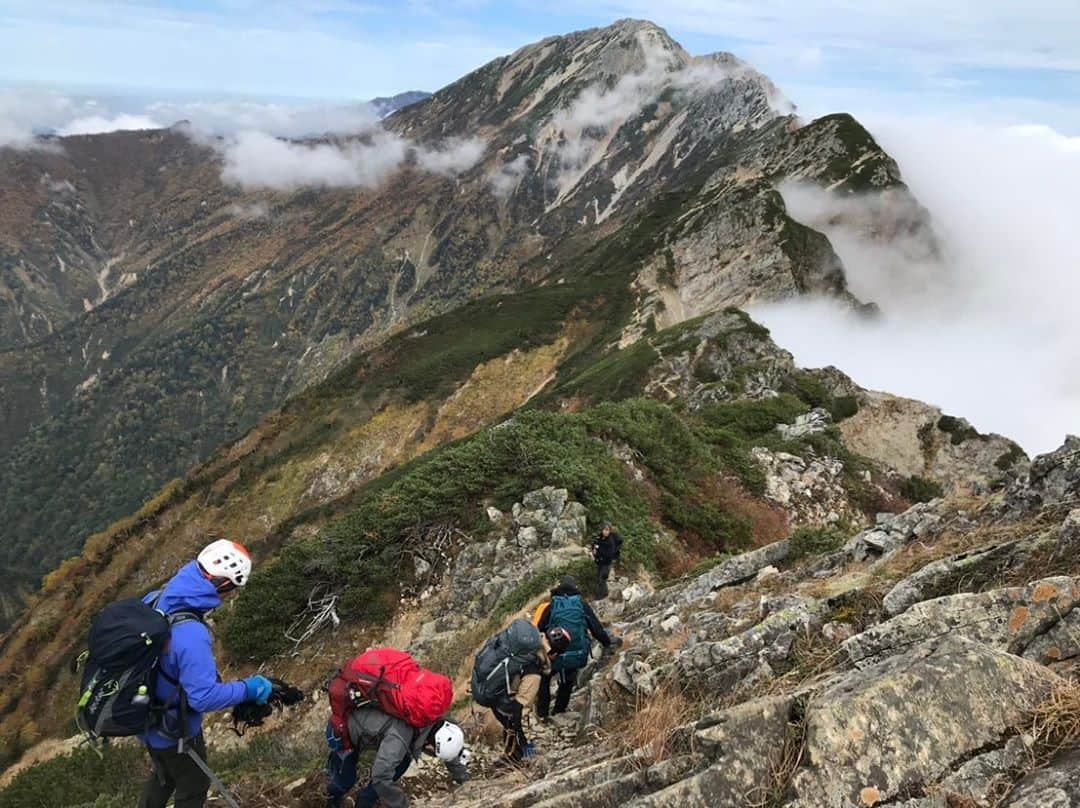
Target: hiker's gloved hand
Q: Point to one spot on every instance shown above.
(528, 751)
(259, 688)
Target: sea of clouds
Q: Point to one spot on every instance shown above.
(989, 331)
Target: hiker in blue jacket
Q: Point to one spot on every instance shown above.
(568, 609)
(188, 671)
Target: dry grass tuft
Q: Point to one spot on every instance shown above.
(1055, 723)
(652, 730)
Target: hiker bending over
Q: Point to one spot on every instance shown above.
(607, 547)
(383, 700)
(506, 678)
(188, 673)
(567, 610)
(396, 746)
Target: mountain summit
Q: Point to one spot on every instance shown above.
(156, 301)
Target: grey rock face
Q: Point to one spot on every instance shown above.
(893, 531)
(739, 568)
(810, 489)
(811, 423)
(1051, 479)
(719, 666)
(1009, 619)
(871, 734)
(745, 743)
(1056, 786)
(941, 577)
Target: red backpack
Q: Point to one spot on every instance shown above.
(391, 681)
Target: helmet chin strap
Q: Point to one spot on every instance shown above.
(222, 585)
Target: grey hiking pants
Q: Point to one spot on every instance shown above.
(176, 772)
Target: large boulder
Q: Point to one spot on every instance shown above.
(745, 744)
(875, 734)
(1010, 619)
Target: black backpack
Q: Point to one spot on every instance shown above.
(119, 669)
(503, 658)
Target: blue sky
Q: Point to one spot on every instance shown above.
(1002, 60)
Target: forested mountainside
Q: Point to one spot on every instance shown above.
(150, 310)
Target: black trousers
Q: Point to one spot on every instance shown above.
(603, 571)
(509, 715)
(176, 772)
(567, 683)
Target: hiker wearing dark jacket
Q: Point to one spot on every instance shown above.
(523, 692)
(569, 610)
(396, 745)
(607, 547)
(187, 665)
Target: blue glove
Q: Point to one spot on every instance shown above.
(258, 689)
(528, 751)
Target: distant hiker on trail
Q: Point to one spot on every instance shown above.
(187, 679)
(383, 700)
(506, 678)
(567, 610)
(607, 547)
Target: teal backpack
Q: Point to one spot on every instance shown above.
(568, 611)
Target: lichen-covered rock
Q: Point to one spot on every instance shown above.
(1057, 785)
(810, 423)
(942, 577)
(982, 778)
(872, 734)
(811, 490)
(1068, 539)
(1051, 479)
(735, 570)
(1008, 619)
(745, 744)
(1059, 643)
(719, 666)
(894, 530)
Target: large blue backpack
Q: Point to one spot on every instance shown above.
(568, 611)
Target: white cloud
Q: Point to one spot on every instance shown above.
(95, 124)
(258, 160)
(282, 120)
(26, 113)
(990, 331)
(505, 179)
(252, 211)
(452, 157)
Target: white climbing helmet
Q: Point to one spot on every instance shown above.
(449, 742)
(225, 562)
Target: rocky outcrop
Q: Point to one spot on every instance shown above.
(745, 745)
(1009, 619)
(811, 489)
(874, 734)
(893, 531)
(968, 570)
(1052, 479)
(917, 439)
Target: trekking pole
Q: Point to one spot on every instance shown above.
(219, 786)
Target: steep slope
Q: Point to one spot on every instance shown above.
(348, 470)
(209, 306)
